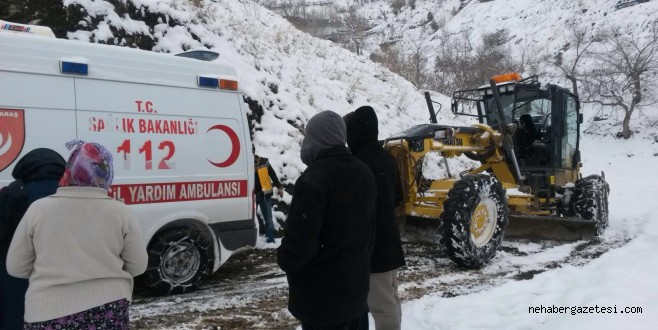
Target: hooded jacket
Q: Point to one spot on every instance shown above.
(325, 249)
(39, 164)
(324, 131)
(37, 174)
(362, 132)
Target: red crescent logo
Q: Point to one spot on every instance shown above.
(235, 145)
(12, 136)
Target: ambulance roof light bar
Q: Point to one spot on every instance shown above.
(27, 29)
(209, 82)
(212, 81)
(228, 84)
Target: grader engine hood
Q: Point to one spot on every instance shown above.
(449, 140)
(424, 131)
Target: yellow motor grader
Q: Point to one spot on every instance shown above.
(525, 181)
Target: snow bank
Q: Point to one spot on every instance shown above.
(619, 279)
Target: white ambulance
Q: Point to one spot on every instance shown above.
(177, 127)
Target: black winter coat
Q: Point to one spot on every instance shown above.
(37, 175)
(325, 250)
(387, 254)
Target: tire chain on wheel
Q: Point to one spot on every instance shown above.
(153, 277)
(455, 223)
(590, 200)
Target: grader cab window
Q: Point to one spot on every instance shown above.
(570, 133)
(536, 114)
(491, 118)
(529, 102)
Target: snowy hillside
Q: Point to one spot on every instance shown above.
(540, 21)
(540, 25)
(290, 74)
(529, 29)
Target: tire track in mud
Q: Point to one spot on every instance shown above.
(516, 260)
(250, 291)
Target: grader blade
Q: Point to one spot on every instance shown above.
(419, 230)
(550, 228)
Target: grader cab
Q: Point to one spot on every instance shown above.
(523, 179)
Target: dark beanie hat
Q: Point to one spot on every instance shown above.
(39, 164)
(362, 127)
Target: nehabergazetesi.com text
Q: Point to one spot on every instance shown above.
(573, 310)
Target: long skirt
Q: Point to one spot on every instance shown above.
(112, 316)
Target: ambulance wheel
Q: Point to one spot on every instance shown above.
(474, 220)
(178, 259)
(590, 201)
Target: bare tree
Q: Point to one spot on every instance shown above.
(461, 63)
(417, 64)
(526, 61)
(392, 58)
(452, 63)
(355, 26)
(292, 8)
(626, 74)
(570, 68)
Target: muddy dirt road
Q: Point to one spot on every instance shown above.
(250, 291)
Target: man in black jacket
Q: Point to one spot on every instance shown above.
(387, 256)
(325, 250)
(37, 175)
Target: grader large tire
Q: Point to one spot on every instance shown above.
(590, 201)
(178, 259)
(474, 220)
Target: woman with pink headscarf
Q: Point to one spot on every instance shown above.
(79, 248)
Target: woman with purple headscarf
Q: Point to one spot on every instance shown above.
(79, 248)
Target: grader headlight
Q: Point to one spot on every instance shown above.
(485, 136)
(439, 135)
(443, 134)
